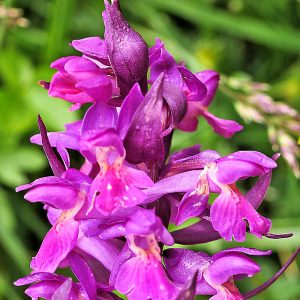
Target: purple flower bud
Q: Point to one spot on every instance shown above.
(143, 141)
(127, 50)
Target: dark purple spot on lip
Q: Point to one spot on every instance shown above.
(97, 193)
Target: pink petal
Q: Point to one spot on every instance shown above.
(57, 244)
(59, 196)
(129, 106)
(211, 80)
(99, 115)
(226, 128)
(147, 280)
(191, 205)
(92, 46)
(222, 269)
(229, 212)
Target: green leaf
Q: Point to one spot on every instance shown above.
(15, 163)
(277, 36)
(55, 112)
(9, 240)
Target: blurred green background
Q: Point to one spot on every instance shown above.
(235, 37)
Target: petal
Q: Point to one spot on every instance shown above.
(155, 51)
(129, 106)
(104, 251)
(190, 122)
(57, 244)
(113, 231)
(200, 232)
(139, 178)
(62, 86)
(110, 192)
(103, 137)
(59, 196)
(177, 103)
(44, 180)
(59, 64)
(147, 280)
(229, 212)
(211, 80)
(98, 86)
(145, 222)
(84, 274)
(189, 289)
(249, 251)
(222, 269)
(62, 151)
(68, 139)
(226, 128)
(39, 276)
(191, 205)
(184, 153)
(55, 164)
(243, 164)
(181, 264)
(99, 115)
(253, 157)
(197, 161)
(182, 182)
(124, 255)
(80, 180)
(63, 292)
(43, 290)
(81, 67)
(257, 193)
(228, 291)
(230, 171)
(93, 47)
(196, 90)
(163, 62)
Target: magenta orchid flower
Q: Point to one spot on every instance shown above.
(141, 258)
(199, 90)
(51, 286)
(116, 185)
(79, 80)
(66, 194)
(216, 274)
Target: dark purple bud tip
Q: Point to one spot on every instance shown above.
(189, 289)
(44, 84)
(143, 142)
(278, 236)
(55, 164)
(127, 50)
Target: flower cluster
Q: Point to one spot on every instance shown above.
(110, 218)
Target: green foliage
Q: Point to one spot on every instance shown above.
(261, 38)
